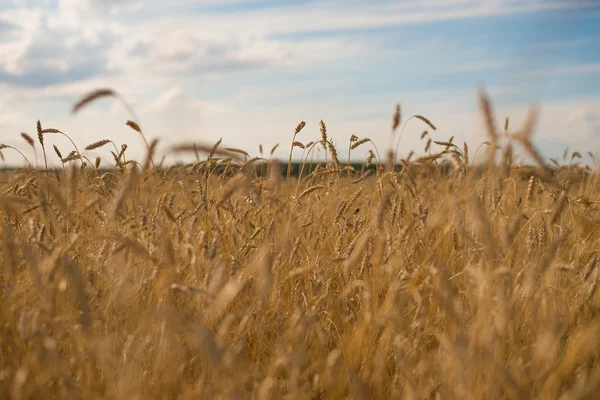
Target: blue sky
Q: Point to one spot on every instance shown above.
(249, 71)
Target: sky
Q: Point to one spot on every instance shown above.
(249, 71)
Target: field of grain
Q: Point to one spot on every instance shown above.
(432, 277)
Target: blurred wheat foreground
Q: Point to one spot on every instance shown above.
(439, 279)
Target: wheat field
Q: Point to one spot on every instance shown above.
(431, 277)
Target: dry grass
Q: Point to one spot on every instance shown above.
(209, 281)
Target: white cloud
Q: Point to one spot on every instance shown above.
(588, 68)
(586, 120)
(167, 98)
(334, 15)
(42, 47)
(174, 100)
(166, 51)
(18, 38)
(84, 38)
(6, 118)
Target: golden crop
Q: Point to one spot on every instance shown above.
(442, 279)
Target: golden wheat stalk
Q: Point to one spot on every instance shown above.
(397, 118)
(28, 139)
(213, 150)
(490, 125)
(57, 152)
(310, 190)
(134, 125)
(92, 96)
(71, 157)
(41, 140)
(98, 144)
(323, 129)
(359, 143)
(334, 155)
(299, 127)
(50, 130)
(150, 154)
(299, 144)
(426, 120)
(238, 151)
